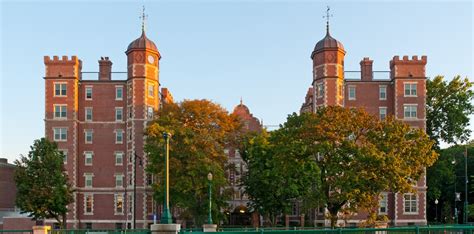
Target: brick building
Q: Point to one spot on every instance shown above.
(239, 214)
(99, 125)
(400, 92)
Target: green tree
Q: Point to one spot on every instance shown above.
(277, 173)
(200, 131)
(448, 106)
(357, 156)
(43, 188)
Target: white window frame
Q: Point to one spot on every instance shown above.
(119, 177)
(116, 196)
(383, 203)
(60, 106)
(349, 88)
(86, 156)
(151, 90)
(382, 109)
(87, 133)
(405, 106)
(85, 114)
(61, 84)
(119, 155)
(87, 88)
(411, 92)
(62, 131)
(86, 195)
(320, 90)
(119, 132)
(88, 177)
(150, 112)
(411, 203)
(117, 96)
(384, 96)
(117, 111)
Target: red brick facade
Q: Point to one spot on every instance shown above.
(400, 92)
(99, 124)
(7, 186)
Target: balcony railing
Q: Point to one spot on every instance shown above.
(95, 75)
(357, 75)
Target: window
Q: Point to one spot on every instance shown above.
(118, 114)
(382, 113)
(410, 203)
(119, 180)
(64, 152)
(149, 204)
(130, 134)
(88, 226)
(88, 136)
(118, 158)
(60, 89)
(88, 180)
(88, 113)
(150, 112)
(149, 179)
(382, 92)
(119, 93)
(410, 89)
(88, 158)
(119, 136)
(60, 134)
(88, 93)
(118, 203)
(89, 204)
(383, 203)
(352, 93)
(409, 111)
(320, 90)
(151, 90)
(130, 112)
(60, 111)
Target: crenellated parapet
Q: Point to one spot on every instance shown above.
(408, 68)
(62, 67)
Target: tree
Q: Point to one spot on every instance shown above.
(357, 156)
(200, 131)
(277, 176)
(444, 175)
(43, 188)
(448, 106)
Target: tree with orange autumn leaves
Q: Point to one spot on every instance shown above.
(357, 157)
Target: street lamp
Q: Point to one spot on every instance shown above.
(166, 215)
(466, 202)
(456, 196)
(436, 203)
(209, 179)
(135, 188)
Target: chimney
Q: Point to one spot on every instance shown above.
(105, 68)
(366, 69)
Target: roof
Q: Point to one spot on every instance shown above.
(142, 43)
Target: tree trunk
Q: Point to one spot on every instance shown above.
(64, 224)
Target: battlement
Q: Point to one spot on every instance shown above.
(414, 59)
(62, 67)
(64, 60)
(407, 67)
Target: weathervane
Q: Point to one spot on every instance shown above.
(143, 17)
(327, 19)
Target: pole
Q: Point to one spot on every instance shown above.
(466, 202)
(166, 216)
(135, 192)
(209, 217)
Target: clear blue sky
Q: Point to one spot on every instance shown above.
(219, 50)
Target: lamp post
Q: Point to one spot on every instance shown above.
(436, 203)
(466, 202)
(166, 215)
(135, 188)
(455, 194)
(209, 179)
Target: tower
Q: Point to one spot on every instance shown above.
(328, 71)
(143, 100)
